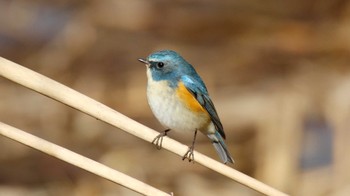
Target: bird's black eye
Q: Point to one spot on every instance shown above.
(160, 65)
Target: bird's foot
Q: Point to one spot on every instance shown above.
(189, 154)
(158, 141)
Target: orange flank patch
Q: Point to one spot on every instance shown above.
(190, 101)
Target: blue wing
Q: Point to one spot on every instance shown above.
(197, 88)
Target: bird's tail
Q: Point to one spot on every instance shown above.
(220, 147)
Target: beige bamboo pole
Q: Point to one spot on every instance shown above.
(74, 99)
(78, 160)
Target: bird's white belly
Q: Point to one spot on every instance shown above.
(171, 111)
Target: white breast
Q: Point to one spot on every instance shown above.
(170, 111)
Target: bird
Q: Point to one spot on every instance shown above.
(180, 101)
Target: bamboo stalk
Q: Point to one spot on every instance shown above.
(74, 99)
(78, 160)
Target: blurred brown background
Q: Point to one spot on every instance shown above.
(277, 71)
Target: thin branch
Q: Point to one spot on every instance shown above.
(74, 99)
(78, 160)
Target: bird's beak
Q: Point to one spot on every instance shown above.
(144, 61)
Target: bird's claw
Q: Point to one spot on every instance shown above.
(189, 154)
(158, 141)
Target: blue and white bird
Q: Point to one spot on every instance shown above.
(180, 101)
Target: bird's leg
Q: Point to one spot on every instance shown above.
(189, 154)
(158, 141)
